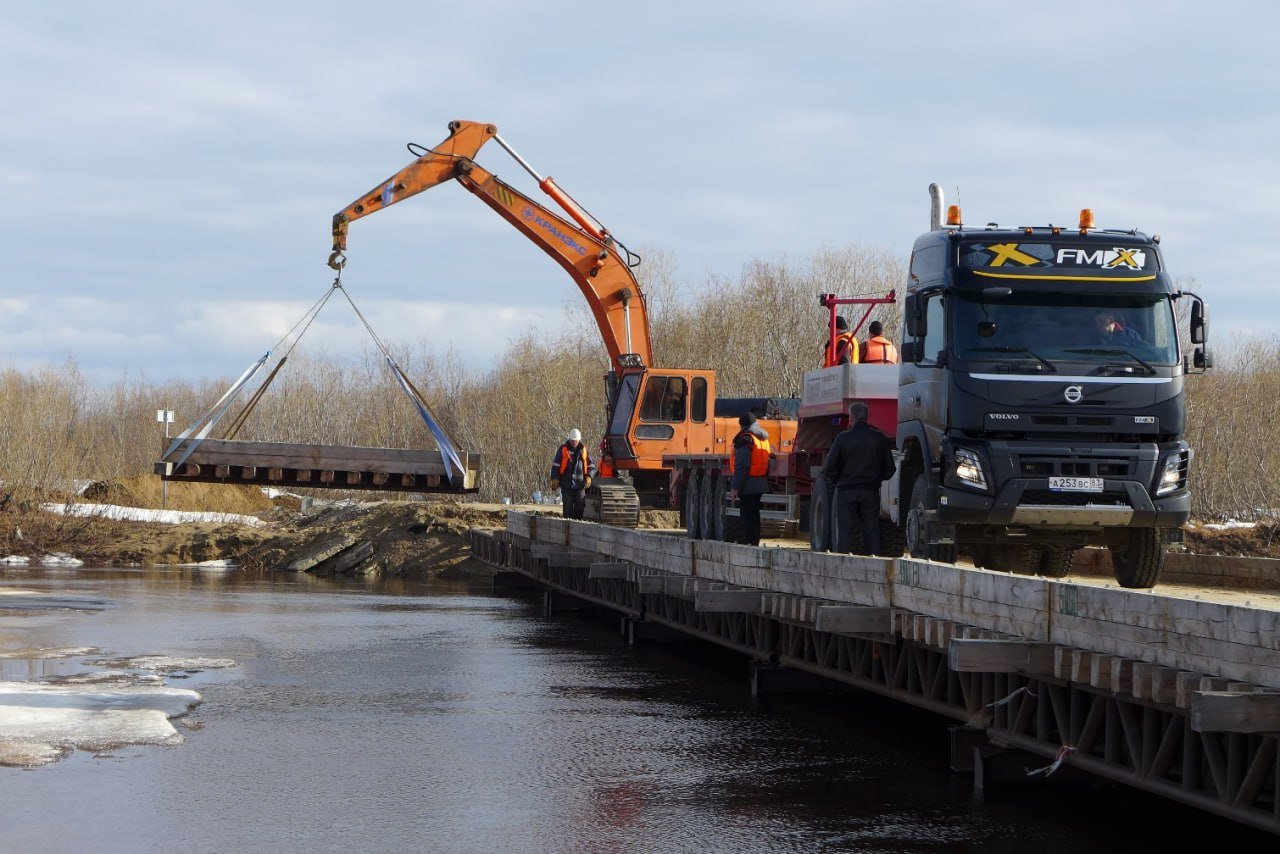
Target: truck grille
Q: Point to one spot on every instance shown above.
(1072, 499)
(1076, 468)
(1072, 420)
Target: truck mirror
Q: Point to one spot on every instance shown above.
(913, 310)
(1202, 359)
(908, 352)
(1199, 322)
(987, 329)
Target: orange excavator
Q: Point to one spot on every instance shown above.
(650, 411)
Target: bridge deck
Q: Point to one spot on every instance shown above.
(317, 466)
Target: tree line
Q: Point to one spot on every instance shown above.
(760, 330)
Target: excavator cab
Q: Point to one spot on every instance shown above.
(659, 411)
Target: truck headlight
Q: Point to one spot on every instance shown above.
(1173, 474)
(969, 468)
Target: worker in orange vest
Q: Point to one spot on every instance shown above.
(844, 350)
(748, 474)
(878, 350)
(571, 472)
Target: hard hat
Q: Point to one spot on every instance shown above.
(575, 434)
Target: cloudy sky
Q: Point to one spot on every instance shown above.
(170, 170)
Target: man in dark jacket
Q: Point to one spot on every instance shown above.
(749, 469)
(571, 472)
(859, 460)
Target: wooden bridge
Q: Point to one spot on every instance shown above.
(1178, 695)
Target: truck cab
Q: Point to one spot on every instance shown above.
(1041, 402)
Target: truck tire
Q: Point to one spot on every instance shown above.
(1056, 563)
(1138, 563)
(820, 518)
(892, 541)
(713, 490)
(915, 529)
(693, 505)
(1009, 557)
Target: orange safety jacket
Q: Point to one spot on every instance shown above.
(565, 459)
(760, 451)
(879, 351)
(845, 342)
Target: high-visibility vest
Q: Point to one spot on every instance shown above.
(567, 454)
(845, 342)
(879, 351)
(760, 451)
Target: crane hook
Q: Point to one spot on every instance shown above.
(337, 260)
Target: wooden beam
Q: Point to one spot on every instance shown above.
(1232, 711)
(1001, 656)
(652, 584)
(727, 601)
(853, 619)
(608, 572)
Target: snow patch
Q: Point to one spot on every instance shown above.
(15, 560)
(1230, 525)
(141, 514)
(60, 559)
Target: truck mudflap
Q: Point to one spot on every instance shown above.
(1029, 502)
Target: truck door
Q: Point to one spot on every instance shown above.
(922, 394)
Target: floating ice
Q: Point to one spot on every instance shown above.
(166, 663)
(51, 652)
(15, 560)
(60, 559)
(40, 722)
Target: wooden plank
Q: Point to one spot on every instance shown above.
(853, 619)
(608, 571)
(1231, 711)
(727, 601)
(322, 553)
(1001, 656)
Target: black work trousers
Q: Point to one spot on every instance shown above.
(573, 502)
(858, 510)
(749, 508)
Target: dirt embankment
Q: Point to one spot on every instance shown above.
(409, 538)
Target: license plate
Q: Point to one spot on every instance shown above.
(1075, 484)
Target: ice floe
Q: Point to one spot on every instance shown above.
(165, 663)
(42, 721)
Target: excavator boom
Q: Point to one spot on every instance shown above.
(585, 250)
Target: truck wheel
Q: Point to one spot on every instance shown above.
(1008, 557)
(1056, 563)
(915, 532)
(892, 542)
(693, 505)
(819, 518)
(713, 489)
(1138, 563)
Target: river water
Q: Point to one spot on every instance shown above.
(399, 716)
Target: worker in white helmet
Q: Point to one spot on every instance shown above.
(571, 470)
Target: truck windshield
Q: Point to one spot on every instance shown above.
(1133, 333)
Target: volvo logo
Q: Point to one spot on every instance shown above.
(1073, 393)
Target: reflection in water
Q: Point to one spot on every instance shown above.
(401, 716)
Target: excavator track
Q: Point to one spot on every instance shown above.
(613, 502)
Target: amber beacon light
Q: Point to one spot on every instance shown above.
(1086, 219)
(953, 215)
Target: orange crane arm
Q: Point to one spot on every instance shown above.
(583, 248)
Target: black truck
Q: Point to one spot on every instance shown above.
(1041, 401)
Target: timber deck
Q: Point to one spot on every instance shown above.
(1172, 694)
(317, 467)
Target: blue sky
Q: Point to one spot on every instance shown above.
(170, 170)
